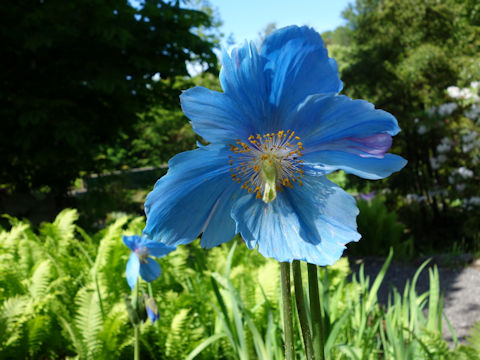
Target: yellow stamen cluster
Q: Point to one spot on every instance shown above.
(267, 163)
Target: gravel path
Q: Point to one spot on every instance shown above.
(460, 287)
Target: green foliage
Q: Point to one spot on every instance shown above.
(380, 230)
(79, 73)
(63, 296)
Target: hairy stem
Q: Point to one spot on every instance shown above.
(316, 313)
(287, 310)
(302, 309)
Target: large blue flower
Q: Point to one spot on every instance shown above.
(140, 262)
(276, 130)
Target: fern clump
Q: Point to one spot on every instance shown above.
(62, 295)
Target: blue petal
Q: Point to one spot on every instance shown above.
(300, 66)
(312, 222)
(215, 116)
(245, 82)
(220, 225)
(347, 134)
(132, 241)
(149, 270)
(190, 197)
(158, 249)
(152, 313)
(133, 270)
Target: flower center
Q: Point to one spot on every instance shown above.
(265, 164)
(142, 254)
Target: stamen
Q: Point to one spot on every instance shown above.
(264, 164)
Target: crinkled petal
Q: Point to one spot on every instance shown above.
(185, 202)
(133, 270)
(149, 270)
(300, 67)
(312, 222)
(245, 81)
(215, 116)
(347, 134)
(131, 241)
(158, 249)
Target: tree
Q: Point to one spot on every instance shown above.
(77, 74)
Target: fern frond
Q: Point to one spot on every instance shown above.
(75, 337)
(65, 224)
(136, 225)
(116, 332)
(9, 239)
(38, 332)
(40, 279)
(268, 279)
(89, 322)
(176, 338)
(12, 319)
(110, 240)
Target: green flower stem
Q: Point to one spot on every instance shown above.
(287, 310)
(136, 349)
(136, 354)
(150, 291)
(316, 313)
(302, 309)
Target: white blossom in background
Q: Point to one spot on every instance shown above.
(464, 172)
(470, 142)
(475, 84)
(445, 145)
(422, 129)
(472, 135)
(475, 200)
(469, 147)
(470, 203)
(453, 92)
(434, 163)
(467, 94)
(447, 108)
(473, 113)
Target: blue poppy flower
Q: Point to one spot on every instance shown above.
(140, 262)
(276, 130)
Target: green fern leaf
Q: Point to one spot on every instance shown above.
(65, 224)
(89, 322)
(40, 280)
(176, 338)
(12, 319)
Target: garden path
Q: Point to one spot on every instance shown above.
(460, 287)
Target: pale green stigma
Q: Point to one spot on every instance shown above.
(269, 175)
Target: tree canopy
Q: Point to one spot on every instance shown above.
(77, 74)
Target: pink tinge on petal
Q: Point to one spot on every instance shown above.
(376, 145)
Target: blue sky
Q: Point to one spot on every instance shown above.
(246, 18)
